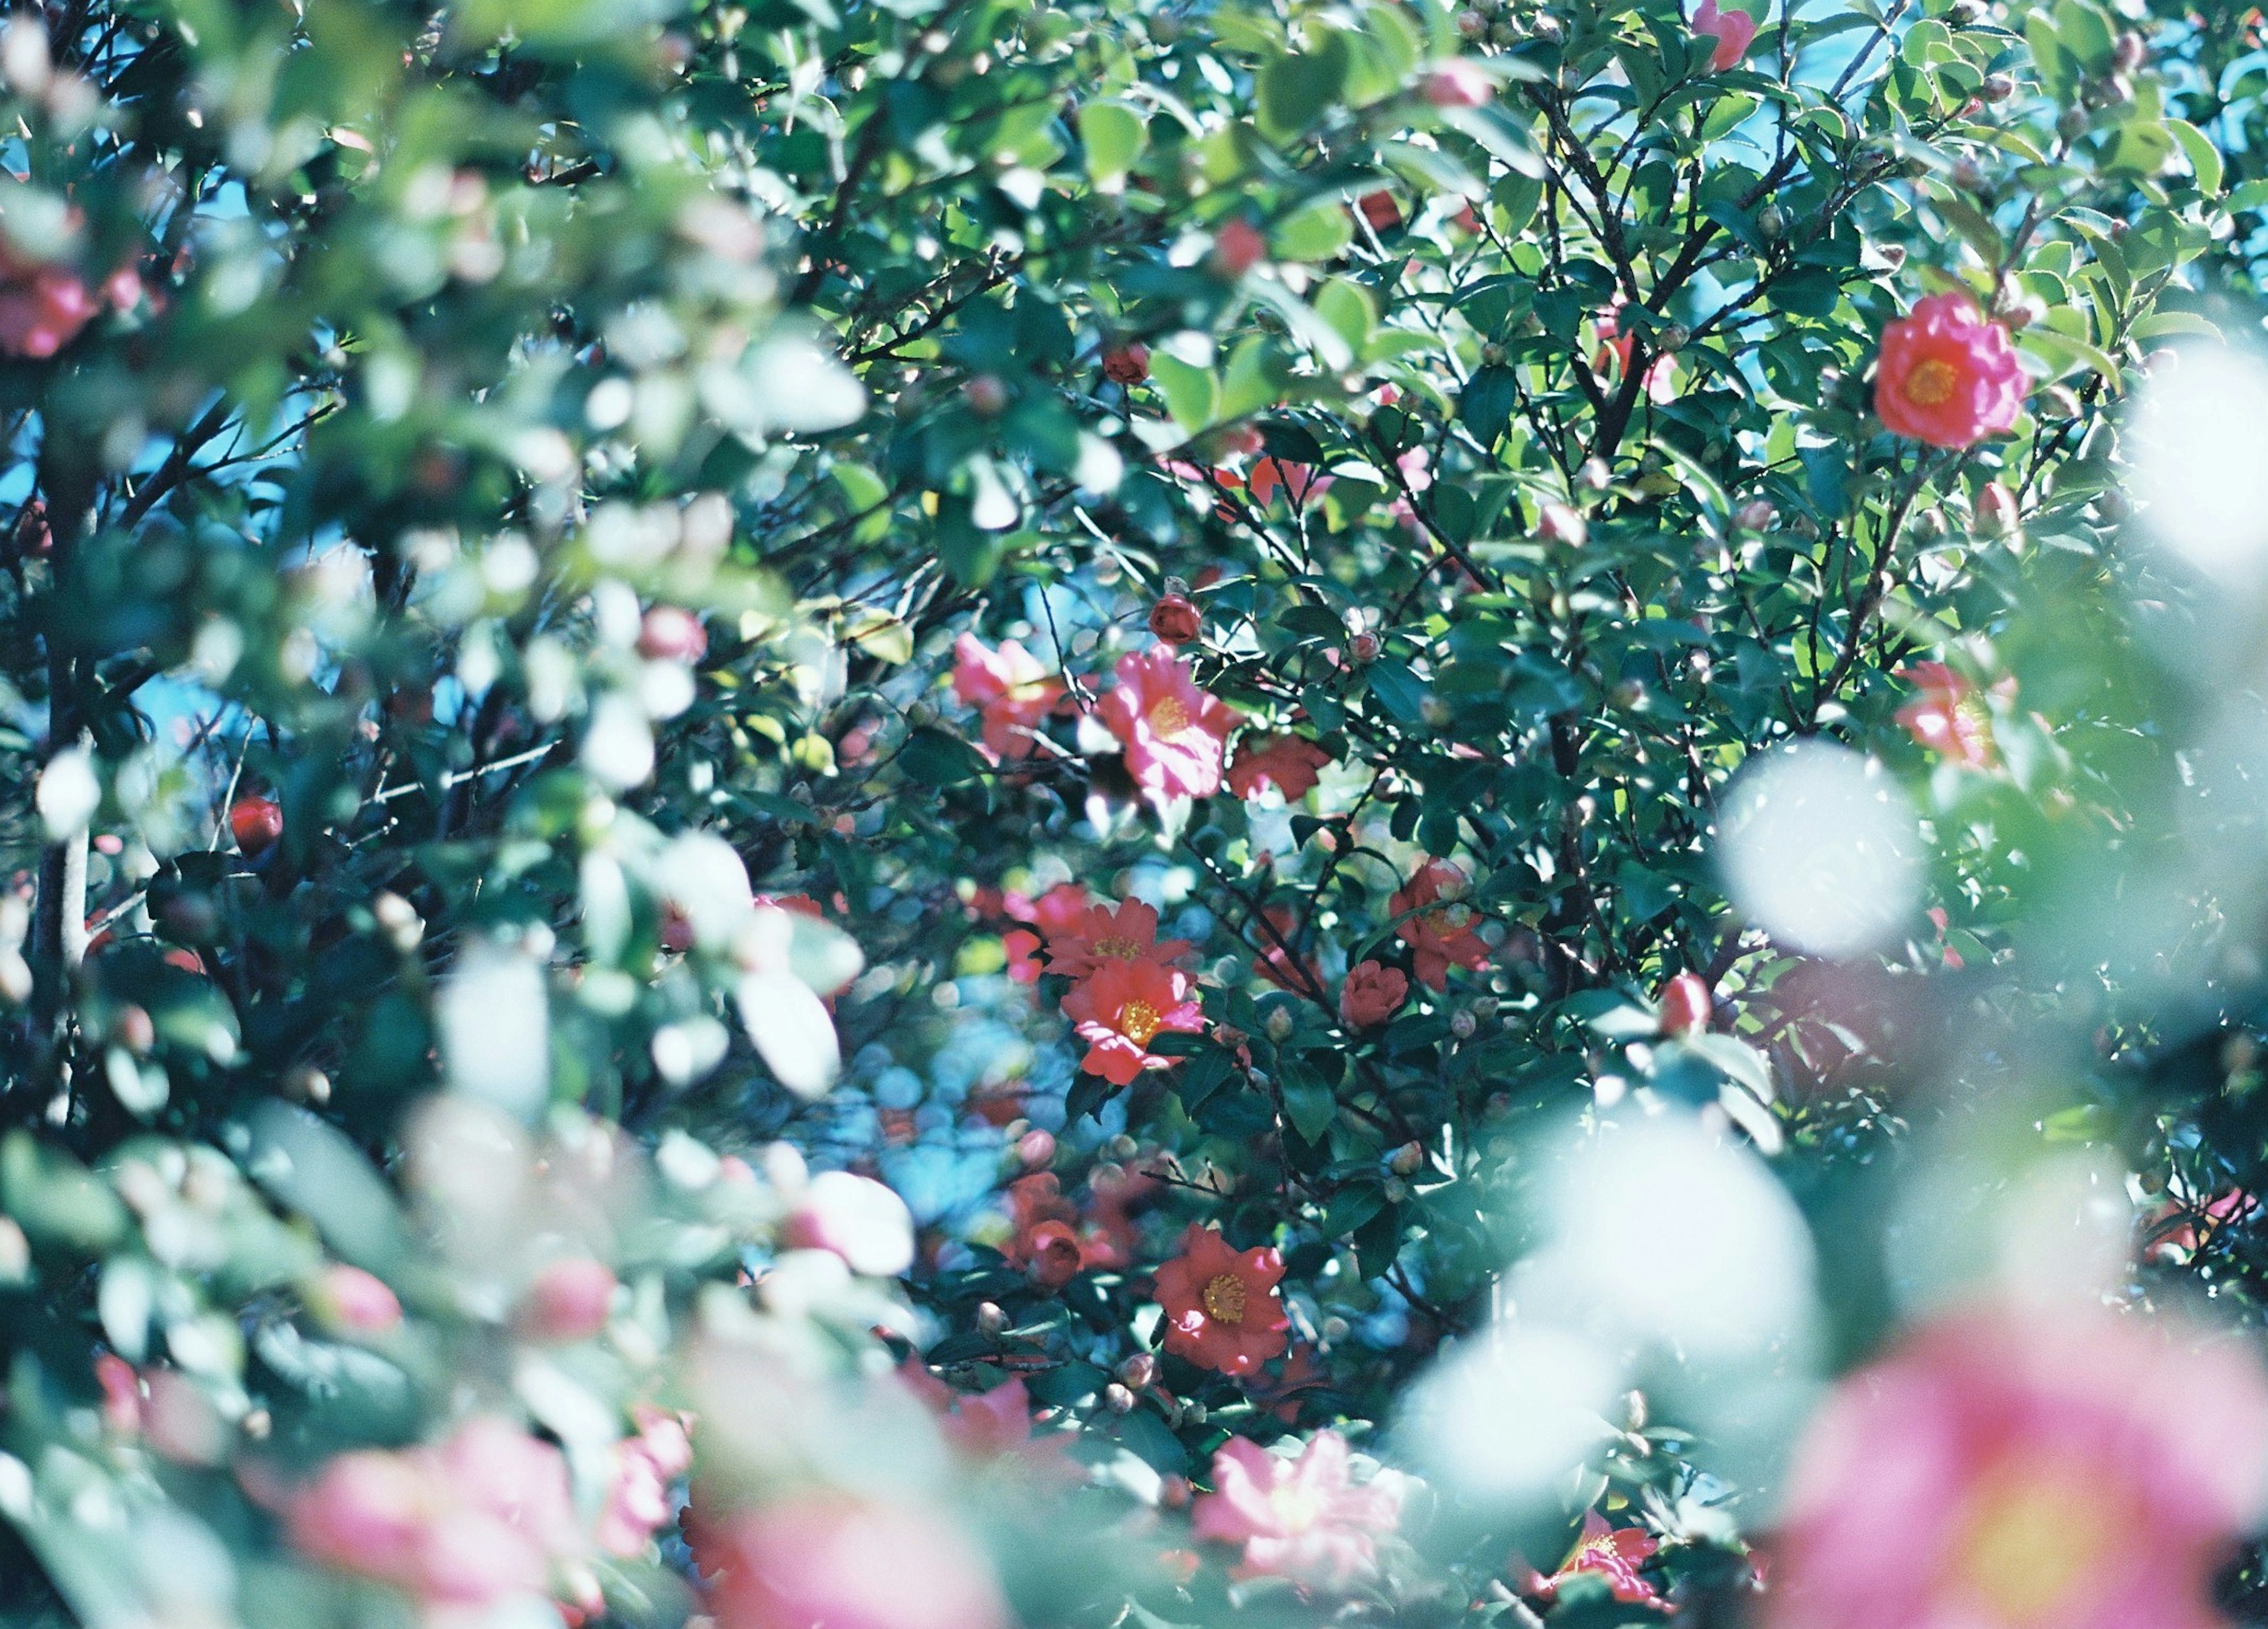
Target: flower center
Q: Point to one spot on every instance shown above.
(1138, 1022)
(1224, 1299)
(1298, 1509)
(1121, 948)
(1168, 717)
(1931, 383)
(2029, 1543)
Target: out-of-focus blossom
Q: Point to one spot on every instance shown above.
(1373, 993)
(1175, 733)
(856, 1218)
(1223, 1308)
(1237, 247)
(1948, 374)
(826, 1562)
(1457, 83)
(1301, 484)
(1438, 925)
(1380, 209)
(1121, 1008)
(1302, 1519)
(1126, 365)
(1734, 31)
(1685, 1004)
(2081, 1469)
(1617, 1554)
(1125, 932)
(347, 1298)
(570, 1300)
(638, 1503)
(2178, 1228)
(43, 307)
(1948, 715)
(1010, 690)
(1288, 763)
(1277, 961)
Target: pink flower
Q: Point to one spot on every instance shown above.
(1442, 938)
(42, 313)
(1009, 688)
(857, 1218)
(1300, 1519)
(2083, 1469)
(1287, 763)
(1223, 1308)
(1948, 716)
(1685, 1004)
(1948, 374)
(1175, 735)
(1457, 83)
(1119, 1010)
(1734, 32)
(1373, 994)
(570, 1299)
(638, 1503)
(820, 1562)
(347, 1298)
(1125, 932)
(1615, 1554)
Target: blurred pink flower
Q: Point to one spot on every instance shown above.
(1948, 715)
(347, 1298)
(1948, 374)
(2000, 1470)
(857, 1218)
(44, 312)
(1175, 735)
(1291, 763)
(1299, 1519)
(637, 1500)
(570, 1300)
(1010, 690)
(1734, 31)
(1442, 937)
(1614, 1553)
(830, 1563)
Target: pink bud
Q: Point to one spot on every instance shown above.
(350, 1299)
(1458, 84)
(1237, 249)
(570, 1301)
(864, 1222)
(1685, 1005)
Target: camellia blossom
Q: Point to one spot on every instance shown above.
(1302, 1519)
(570, 1300)
(1301, 483)
(1457, 83)
(1288, 763)
(1614, 1553)
(1948, 374)
(2004, 1470)
(1685, 1004)
(1175, 735)
(1120, 1009)
(828, 1562)
(1223, 1308)
(1373, 993)
(639, 1500)
(1734, 31)
(1010, 690)
(1442, 937)
(1948, 716)
(1125, 932)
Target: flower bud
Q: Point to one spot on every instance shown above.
(1036, 1148)
(1998, 87)
(1996, 510)
(1138, 1371)
(1406, 1159)
(1463, 1024)
(1672, 337)
(986, 395)
(1756, 515)
(1685, 1004)
(672, 633)
(1174, 620)
(2128, 50)
(1472, 25)
(1363, 648)
(1229, 1036)
(1117, 1399)
(1594, 475)
(1237, 248)
(990, 1319)
(1771, 223)
(2073, 123)
(1556, 523)
(1279, 1024)
(1126, 365)
(134, 1029)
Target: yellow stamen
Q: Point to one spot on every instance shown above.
(1168, 717)
(1138, 1020)
(2028, 1545)
(1224, 1299)
(1931, 383)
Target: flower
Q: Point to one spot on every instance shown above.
(856, 1218)
(1948, 374)
(1237, 249)
(1044, 1244)
(1175, 735)
(1948, 716)
(1439, 938)
(1126, 365)
(1009, 688)
(1287, 763)
(637, 1498)
(1299, 481)
(2179, 1227)
(829, 1562)
(570, 1299)
(1174, 619)
(1373, 993)
(2004, 1470)
(1456, 82)
(1380, 209)
(360, 1303)
(1616, 1553)
(1223, 1310)
(1300, 1519)
(1685, 1004)
(1617, 346)
(1126, 931)
(1121, 1007)
(1734, 32)
(1278, 963)
(42, 308)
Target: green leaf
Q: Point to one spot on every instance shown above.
(1192, 393)
(2205, 158)
(1312, 1107)
(935, 757)
(1296, 90)
(1113, 135)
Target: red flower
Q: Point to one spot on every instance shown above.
(1287, 763)
(1010, 688)
(1949, 717)
(1023, 947)
(1439, 938)
(1043, 1244)
(1616, 1553)
(1174, 619)
(1126, 931)
(1223, 1310)
(1127, 364)
(1300, 1519)
(1373, 993)
(1175, 735)
(1948, 374)
(1685, 1004)
(1734, 31)
(1237, 249)
(1122, 1007)
(1301, 483)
